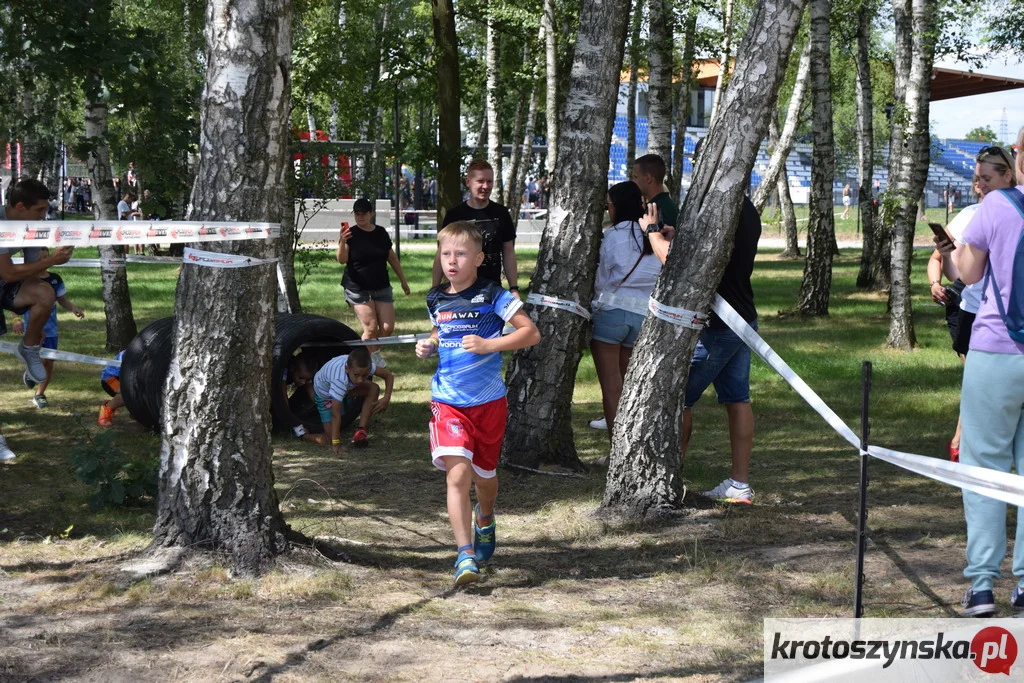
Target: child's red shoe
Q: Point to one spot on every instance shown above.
(106, 418)
(359, 439)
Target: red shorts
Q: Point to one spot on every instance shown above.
(475, 432)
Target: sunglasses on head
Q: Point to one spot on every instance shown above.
(994, 150)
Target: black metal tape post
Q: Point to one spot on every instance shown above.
(862, 515)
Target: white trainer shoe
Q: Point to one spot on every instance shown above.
(5, 451)
(727, 493)
(378, 359)
(599, 424)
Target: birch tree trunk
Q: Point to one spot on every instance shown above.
(723, 71)
(519, 156)
(910, 183)
(634, 74)
(310, 119)
(792, 250)
(216, 481)
(288, 300)
(780, 152)
(493, 106)
(525, 154)
(866, 276)
(541, 378)
(644, 476)
(686, 80)
(821, 228)
(659, 80)
(551, 74)
(117, 300)
(449, 93)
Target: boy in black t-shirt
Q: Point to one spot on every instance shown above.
(493, 221)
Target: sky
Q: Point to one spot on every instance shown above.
(953, 118)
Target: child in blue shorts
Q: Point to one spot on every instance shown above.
(343, 391)
(110, 380)
(468, 394)
(49, 335)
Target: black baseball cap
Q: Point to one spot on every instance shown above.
(362, 205)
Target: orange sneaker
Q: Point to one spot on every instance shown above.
(106, 418)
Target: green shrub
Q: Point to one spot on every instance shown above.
(119, 478)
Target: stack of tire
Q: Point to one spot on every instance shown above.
(147, 359)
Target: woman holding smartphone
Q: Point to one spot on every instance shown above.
(993, 170)
(366, 253)
(627, 270)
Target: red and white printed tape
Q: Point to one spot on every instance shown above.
(560, 304)
(216, 259)
(677, 316)
(96, 233)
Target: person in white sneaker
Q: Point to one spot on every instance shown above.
(21, 289)
(721, 357)
(6, 454)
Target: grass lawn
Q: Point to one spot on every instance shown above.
(565, 596)
(848, 229)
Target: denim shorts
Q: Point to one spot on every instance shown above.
(49, 343)
(356, 295)
(616, 326)
(721, 358)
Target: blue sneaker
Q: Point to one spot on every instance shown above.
(1017, 602)
(484, 540)
(466, 569)
(978, 603)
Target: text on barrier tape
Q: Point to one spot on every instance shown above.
(84, 233)
(560, 304)
(1003, 486)
(677, 316)
(216, 259)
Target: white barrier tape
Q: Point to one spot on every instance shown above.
(738, 325)
(560, 304)
(115, 263)
(216, 259)
(627, 303)
(1002, 486)
(9, 347)
(85, 233)
(110, 263)
(677, 316)
(385, 341)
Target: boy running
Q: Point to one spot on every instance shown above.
(60, 292)
(468, 406)
(341, 389)
(110, 380)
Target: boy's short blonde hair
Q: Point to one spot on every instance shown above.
(462, 231)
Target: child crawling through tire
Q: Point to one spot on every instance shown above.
(343, 392)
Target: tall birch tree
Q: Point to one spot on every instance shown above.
(686, 82)
(449, 93)
(634, 77)
(914, 148)
(659, 80)
(821, 229)
(540, 379)
(866, 276)
(551, 113)
(725, 60)
(216, 481)
(644, 479)
(492, 103)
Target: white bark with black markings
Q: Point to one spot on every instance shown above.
(547, 19)
(867, 274)
(908, 186)
(816, 286)
(216, 481)
(493, 106)
(541, 378)
(781, 149)
(659, 92)
(117, 300)
(644, 476)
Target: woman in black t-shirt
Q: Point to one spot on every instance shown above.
(366, 251)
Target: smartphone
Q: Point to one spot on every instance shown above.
(940, 232)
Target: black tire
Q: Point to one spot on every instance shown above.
(326, 338)
(144, 369)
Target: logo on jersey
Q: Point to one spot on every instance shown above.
(448, 316)
(454, 427)
(478, 299)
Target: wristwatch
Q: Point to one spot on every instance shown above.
(514, 288)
